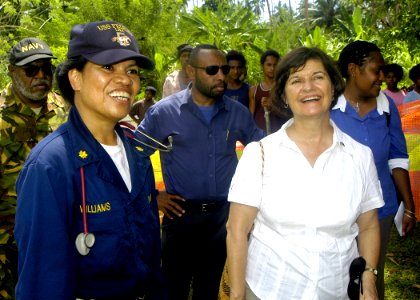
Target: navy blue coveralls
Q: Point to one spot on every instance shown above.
(124, 262)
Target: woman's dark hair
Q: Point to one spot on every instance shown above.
(414, 73)
(356, 52)
(394, 68)
(62, 79)
(294, 61)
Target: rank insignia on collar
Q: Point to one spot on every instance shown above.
(83, 154)
(139, 148)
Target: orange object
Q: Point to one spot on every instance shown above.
(410, 119)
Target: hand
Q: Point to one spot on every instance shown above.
(265, 102)
(169, 205)
(408, 225)
(369, 286)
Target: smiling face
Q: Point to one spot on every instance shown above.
(309, 90)
(104, 93)
(368, 78)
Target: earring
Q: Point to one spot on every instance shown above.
(286, 105)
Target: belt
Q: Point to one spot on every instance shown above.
(203, 207)
(116, 298)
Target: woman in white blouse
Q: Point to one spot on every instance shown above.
(300, 199)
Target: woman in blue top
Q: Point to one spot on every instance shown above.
(87, 223)
(371, 118)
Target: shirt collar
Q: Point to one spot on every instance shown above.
(339, 137)
(382, 103)
(85, 148)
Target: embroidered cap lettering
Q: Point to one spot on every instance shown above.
(106, 43)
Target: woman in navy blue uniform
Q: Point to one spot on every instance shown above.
(87, 223)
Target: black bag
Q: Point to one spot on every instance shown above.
(357, 267)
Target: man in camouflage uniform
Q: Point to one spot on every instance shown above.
(28, 112)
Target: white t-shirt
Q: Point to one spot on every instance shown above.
(303, 239)
(119, 157)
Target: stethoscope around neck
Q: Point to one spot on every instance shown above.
(84, 240)
(160, 146)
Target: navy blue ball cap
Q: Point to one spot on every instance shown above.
(29, 50)
(106, 43)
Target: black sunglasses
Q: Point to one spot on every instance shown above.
(32, 70)
(357, 267)
(213, 70)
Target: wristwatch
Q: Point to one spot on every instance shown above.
(373, 270)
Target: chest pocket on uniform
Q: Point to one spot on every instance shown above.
(226, 142)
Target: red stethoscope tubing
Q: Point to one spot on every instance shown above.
(82, 180)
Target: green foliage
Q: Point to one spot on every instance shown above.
(402, 266)
(233, 27)
(316, 39)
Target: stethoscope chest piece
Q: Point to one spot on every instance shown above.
(84, 242)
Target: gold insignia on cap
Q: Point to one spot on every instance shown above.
(122, 39)
(83, 154)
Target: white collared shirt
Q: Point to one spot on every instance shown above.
(382, 103)
(303, 239)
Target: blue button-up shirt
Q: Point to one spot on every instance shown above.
(381, 131)
(203, 157)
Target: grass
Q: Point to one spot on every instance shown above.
(402, 267)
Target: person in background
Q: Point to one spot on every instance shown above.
(139, 108)
(393, 73)
(414, 75)
(178, 80)
(371, 118)
(29, 111)
(87, 223)
(299, 243)
(237, 88)
(201, 126)
(259, 96)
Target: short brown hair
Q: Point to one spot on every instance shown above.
(296, 59)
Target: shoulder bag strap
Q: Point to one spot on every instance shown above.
(262, 159)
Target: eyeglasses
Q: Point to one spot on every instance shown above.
(213, 70)
(32, 70)
(357, 267)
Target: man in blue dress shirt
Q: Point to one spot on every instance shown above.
(201, 125)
